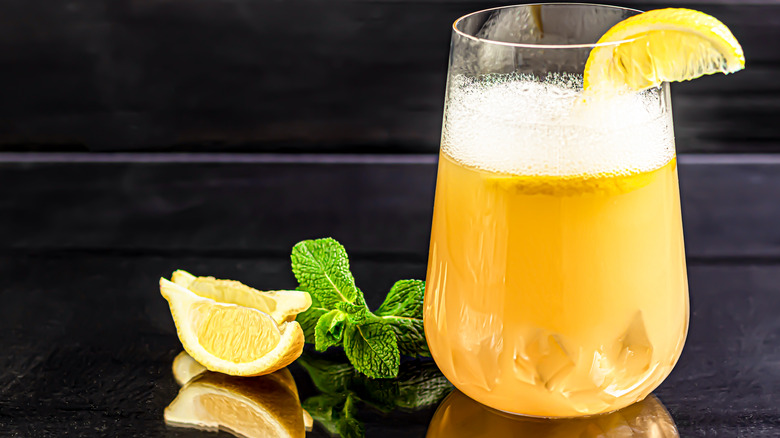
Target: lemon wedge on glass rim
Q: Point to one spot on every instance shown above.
(661, 45)
(231, 328)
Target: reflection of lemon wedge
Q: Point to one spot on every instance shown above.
(185, 368)
(229, 337)
(308, 421)
(459, 416)
(662, 45)
(282, 305)
(253, 408)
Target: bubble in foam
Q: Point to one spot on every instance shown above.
(518, 124)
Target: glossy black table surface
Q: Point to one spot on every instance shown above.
(88, 342)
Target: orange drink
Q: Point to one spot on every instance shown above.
(556, 296)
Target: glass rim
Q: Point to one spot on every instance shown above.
(539, 46)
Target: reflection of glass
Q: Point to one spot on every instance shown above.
(458, 416)
(556, 278)
(255, 407)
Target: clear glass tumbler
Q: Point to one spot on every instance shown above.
(556, 281)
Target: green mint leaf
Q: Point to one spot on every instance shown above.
(372, 349)
(402, 309)
(411, 336)
(405, 299)
(330, 329)
(322, 268)
(308, 319)
(357, 314)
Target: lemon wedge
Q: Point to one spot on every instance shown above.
(659, 46)
(229, 337)
(260, 407)
(282, 305)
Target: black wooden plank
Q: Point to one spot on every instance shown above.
(716, 123)
(255, 207)
(88, 341)
(295, 75)
(730, 206)
(222, 204)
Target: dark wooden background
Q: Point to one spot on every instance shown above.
(301, 75)
(128, 132)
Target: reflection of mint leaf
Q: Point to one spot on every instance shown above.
(372, 349)
(328, 376)
(330, 329)
(403, 310)
(322, 269)
(379, 393)
(349, 427)
(419, 384)
(325, 409)
(336, 413)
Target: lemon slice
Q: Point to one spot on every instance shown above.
(659, 46)
(260, 407)
(282, 305)
(230, 338)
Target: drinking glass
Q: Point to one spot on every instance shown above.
(556, 279)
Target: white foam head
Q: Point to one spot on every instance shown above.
(518, 125)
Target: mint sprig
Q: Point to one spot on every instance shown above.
(339, 316)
